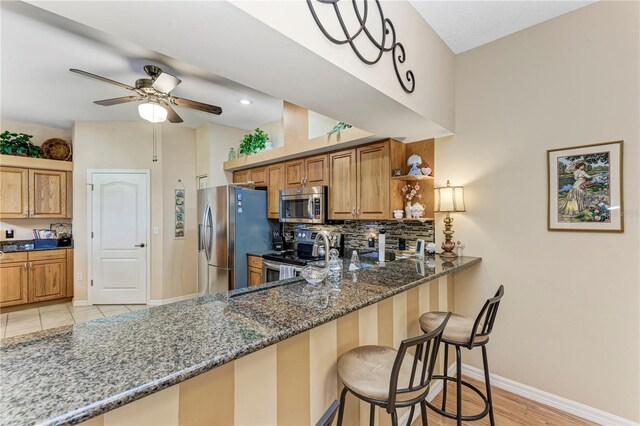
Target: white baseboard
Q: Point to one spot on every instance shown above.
(80, 302)
(546, 398)
(433, 392)
(158, 302)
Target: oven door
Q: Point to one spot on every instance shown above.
(271, 271)
(302, 208)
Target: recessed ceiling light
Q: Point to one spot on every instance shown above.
(245, 101)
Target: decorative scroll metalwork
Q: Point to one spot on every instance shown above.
(388, 33)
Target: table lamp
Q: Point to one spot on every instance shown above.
(448, 199)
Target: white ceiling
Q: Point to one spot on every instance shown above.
(38, 48)
(464, 25)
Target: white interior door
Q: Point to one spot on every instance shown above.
(120, 225)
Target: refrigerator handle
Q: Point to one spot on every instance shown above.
(208, 231)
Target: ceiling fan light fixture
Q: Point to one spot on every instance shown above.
(152, 111)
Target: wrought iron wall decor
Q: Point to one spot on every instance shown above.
(388, 33)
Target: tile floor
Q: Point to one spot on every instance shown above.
(36, 319)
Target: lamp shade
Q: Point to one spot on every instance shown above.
(449, 199)
(152, 111)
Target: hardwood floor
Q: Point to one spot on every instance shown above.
(509, 409)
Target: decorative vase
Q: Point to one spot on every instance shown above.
(407, 210)
(398, 214)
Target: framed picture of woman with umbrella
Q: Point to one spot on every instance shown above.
(585, 188)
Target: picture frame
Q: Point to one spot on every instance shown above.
(585, 191)
(179, 213)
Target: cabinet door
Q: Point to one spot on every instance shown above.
(342, 184)
(14, 192)
(47, 194)
(47, 279)
(259, 176)
(276, 183)
(255, 277)
(373, 181)
(241, 176)
(294, 172)
(13, 284)
(317, 172)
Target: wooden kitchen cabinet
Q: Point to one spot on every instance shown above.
(259, 176)
(294, 171)
(342, 185)
(28, 277)
(47, 194)
(308, 171)
(241, 176)
(276, 176)
(373, 180)
(254, 273)
(14, 192)
(14, 279)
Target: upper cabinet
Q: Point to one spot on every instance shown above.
(14, 192)
(48, 194)
(276, 175)
(35, 193)
(342, 185)
(309, 171)
(359, 183)
(373, 176)
(241, 176)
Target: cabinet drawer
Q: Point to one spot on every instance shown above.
(14, 257)
(255, 262)
(48, 254)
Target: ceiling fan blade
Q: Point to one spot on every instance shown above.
(172, 115)
(187, 103)
(116, 101)
(97, 77)
(165, 83)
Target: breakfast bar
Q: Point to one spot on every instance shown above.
(199, 361)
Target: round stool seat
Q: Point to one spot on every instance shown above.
(457, 331)
(366, 370)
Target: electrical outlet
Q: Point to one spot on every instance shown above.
(79, 276)
(8, 233)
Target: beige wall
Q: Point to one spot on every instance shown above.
(427, 55)
(569, 322)
(214, 141)
(275, 130)
(107, 145)
(22, 227)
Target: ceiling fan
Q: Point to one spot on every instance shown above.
(156, 92)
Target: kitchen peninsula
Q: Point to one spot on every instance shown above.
(264, 353)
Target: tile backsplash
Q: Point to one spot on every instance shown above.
(356, 233)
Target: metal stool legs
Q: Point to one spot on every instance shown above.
(457, 416)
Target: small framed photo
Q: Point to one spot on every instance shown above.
(585, 188)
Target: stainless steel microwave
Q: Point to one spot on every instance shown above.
(303, 205)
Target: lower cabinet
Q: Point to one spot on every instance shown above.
(254, 273)
(28, 277)
(14, 280)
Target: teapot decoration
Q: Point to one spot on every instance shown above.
(417, 210)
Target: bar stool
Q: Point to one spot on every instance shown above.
(376, 374)
(465, 332)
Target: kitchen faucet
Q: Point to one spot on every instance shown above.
(316, 245)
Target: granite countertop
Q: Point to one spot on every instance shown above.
(17, 246)
(72, 373)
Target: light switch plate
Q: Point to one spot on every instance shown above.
(79, 276)
(156, 230)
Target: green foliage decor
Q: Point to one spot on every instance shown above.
(18, 144)
(253, 142)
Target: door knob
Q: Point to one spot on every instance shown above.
(140, 245)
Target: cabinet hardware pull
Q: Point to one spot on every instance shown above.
(32, 213)
(358, 213)
(31, 266)
(25, 266)
(26, 213)
(353, 212)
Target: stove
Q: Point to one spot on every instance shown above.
(299, 257)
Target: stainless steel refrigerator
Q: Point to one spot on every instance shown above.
(232, 221)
